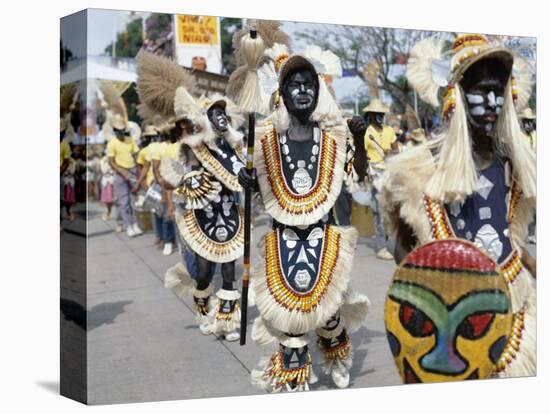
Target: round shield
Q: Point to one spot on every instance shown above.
(448, 313)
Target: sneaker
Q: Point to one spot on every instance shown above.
(137, 230)
(232, 336)
(340, 375)
(118, 228)
(167, 249)
(106, 216)
(384, 254)
(206, 328)
(130, 232)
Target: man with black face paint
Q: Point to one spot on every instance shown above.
(301, 285)
(476, 181)
(201, 177)
(204, 183)
(380, 141)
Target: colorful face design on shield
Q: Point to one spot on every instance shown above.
(447, 314)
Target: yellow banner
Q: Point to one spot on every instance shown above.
(197, 30)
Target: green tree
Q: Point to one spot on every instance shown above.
(228, 26)
(129, 42)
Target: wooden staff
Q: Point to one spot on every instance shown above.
(247, 226)
(248, 201)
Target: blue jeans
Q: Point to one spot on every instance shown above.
(381, 238)
(124, 195)
(164, 225)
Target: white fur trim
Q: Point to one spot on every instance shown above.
(401, 197)
(330, 334)
(263, 335)
(354, 310)
(294, 321)
(225, 325)
(179, 280)
(201, 294)
(295, 341)
(228, 294)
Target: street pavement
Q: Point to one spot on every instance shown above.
(144, 343)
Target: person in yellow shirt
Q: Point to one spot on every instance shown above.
(169, 148)
(379, 140)
(149, 145)
(144, 158)
(121, 152)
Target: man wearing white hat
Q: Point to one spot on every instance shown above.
(380, 140)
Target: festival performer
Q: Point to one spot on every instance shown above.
(203, 180)
(301, 284)
(474, 186)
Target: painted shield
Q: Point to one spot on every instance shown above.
(448, 313)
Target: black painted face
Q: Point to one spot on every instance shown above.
(483, 86)
(528, 125)
(218, 118)
(300, 92)
(376, 118)
(120, 133)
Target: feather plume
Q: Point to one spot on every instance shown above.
(325, 62)
(115, 103)
(268, 30)
(524, 79)
(370, 72)
(419, 69)
(244, 85)
(184, 104)
(158, 80)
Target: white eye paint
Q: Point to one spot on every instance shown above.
(477, 110)
(474, 99)
(491, 99)
(500, 100)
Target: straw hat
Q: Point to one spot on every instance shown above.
(150, 131)
(471, 48)
(527, 113)
(418, 135)
(119, 122)
(377, 106)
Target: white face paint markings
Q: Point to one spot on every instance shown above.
(477, 110)
(474, 99)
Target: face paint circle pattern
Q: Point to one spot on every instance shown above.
(447, 312)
